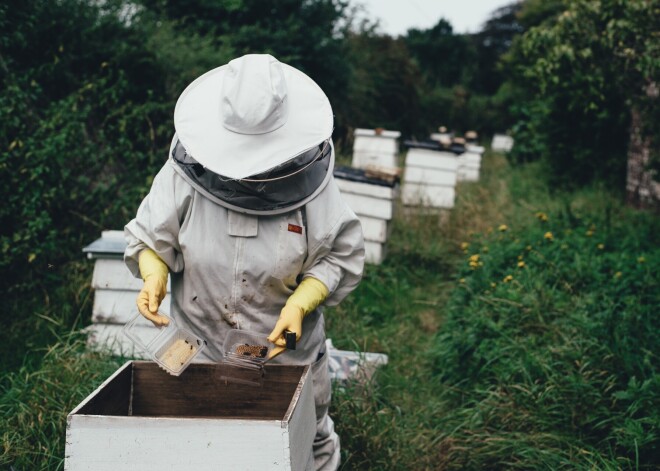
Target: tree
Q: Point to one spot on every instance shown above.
(586, 69)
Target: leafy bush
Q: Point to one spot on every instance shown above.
(585, 70)
(550, 341)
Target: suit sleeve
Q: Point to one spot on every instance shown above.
(158, 221)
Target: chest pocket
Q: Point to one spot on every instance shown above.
(291, 247)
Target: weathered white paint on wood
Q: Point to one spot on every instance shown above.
(119, 306)
(367, 206)
(374, 252)
(429, 176)
(475, 149)
(382, 133)
(110, 443)
(367, 189)
(426, 195)
(432, 159)
(113, 274)
(371, 148)
(374, 229)
(469, 165)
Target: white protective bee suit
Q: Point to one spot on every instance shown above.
(232, 268)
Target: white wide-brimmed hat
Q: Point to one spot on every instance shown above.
(251, 115)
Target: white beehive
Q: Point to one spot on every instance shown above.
(469, 163)
(429, 178)
(502, 143)
(143, 419)
(373, 201)
(375, 147)
(115, 294)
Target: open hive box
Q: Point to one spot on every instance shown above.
(142, 418)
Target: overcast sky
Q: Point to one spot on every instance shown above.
(397, 16)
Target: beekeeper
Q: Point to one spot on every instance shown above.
(248, 222)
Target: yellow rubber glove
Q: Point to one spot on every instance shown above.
(154, 273)
(307, 296)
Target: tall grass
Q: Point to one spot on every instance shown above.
(521, 334)
(493, 363)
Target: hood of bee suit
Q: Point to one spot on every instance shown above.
(281, 189)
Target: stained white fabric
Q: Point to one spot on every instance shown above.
(231, 270)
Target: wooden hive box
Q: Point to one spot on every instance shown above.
(143, 419)
(429, 178)
(469, 163)
(115, 293)
(375, 147)
(502, 143)
(373, 201)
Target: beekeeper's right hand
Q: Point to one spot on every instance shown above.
(154, 273)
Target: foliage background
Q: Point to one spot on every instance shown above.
(88, 90)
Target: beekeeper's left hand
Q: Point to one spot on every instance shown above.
(307, 296)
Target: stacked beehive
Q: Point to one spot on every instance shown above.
(469, 163)
(115, 293)
(375, 147)
(429, 177)
(373, 200)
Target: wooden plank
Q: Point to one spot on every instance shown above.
(363, 159)
(366, 189)
(118, 384)
(367, 206)
(375, 145)
(468, 175)
(381, 132)
(110, 339)
(475, 148)
(196, 420)
(201, 392)
(469, 158)
(108, 443)
(302, 431)
(114, 274)
(429, 176)
(431, 159)
(426, 195)
(118, 306)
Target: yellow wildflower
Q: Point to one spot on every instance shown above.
(528, 248)
(521, 264)
(503, 228)
(493, 284)
(542, 216)
(618, 274)
(600, 246)
(464, 245)
(474, 258)
(508, 278)
(589, 233)
(547, 236)
(641, 260)
(462, 280)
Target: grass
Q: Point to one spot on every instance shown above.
(553, 368)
